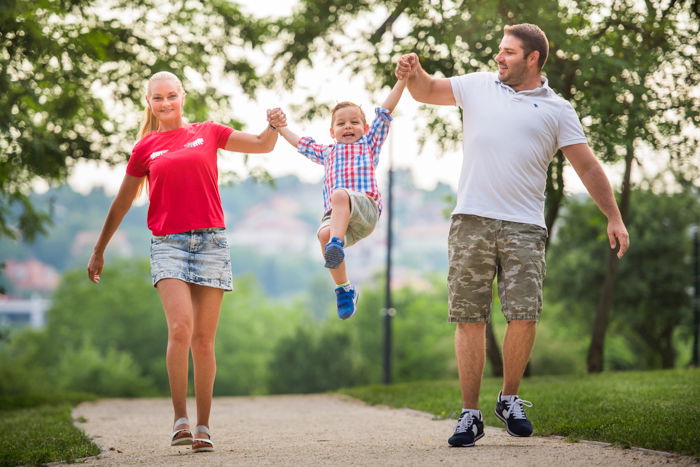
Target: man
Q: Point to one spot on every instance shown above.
(513, 125)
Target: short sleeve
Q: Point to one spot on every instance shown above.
(136, 167)
(463, 85)
(221, 133)
(570, 129)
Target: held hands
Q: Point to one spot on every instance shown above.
(276, 118)
(407, 66)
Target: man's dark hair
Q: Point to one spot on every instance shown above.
(533, 39)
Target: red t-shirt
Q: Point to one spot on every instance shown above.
(182, 176)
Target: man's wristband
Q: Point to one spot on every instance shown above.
(272, 127)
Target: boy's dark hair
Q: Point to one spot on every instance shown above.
(342, 105)
(533, 39)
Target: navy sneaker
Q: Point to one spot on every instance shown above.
(469, 429)
(333, 253)
(512, 413)
(347, 301)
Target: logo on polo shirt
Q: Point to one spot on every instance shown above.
(535, 105)
(158, 153)
(195, 143)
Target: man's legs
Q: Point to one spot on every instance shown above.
(517, 346)
(472, 257)
(470, 351)
(521, 272)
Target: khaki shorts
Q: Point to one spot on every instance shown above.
(480, 249)
(364, 214)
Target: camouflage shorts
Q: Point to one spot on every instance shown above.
(480, 249)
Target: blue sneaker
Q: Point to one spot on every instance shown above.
(334, 253)
(347, 301)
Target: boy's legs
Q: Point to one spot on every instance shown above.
(338, 274)
(340, 213)
(341, 209)
(346, 295)
(353, 216)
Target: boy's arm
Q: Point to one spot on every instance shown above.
(393, 98)
(289, 135)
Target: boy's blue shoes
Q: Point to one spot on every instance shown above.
(333, 253)
(347, 301)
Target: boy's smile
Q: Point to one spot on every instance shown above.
(348, 126)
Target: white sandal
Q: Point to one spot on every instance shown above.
(208, 445)
(182, 440)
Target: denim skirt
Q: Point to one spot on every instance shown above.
(197, 256)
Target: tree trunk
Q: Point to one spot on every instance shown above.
(555, 193)
(493, 352)
(602, 316)
(665, 349)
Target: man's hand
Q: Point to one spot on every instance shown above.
(407, 66)
(618, 236)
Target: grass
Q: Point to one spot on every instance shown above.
(654, 410)
(43, 433)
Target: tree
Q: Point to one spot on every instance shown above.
(628, 69)
(656, 274)
(71, 80)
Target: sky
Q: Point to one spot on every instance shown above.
(330, 83)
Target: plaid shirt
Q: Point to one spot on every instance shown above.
(350, 166)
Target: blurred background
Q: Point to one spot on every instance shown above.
(72, 90)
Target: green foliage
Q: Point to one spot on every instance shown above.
(308, 362)
(648, 410)
(249, 328)
(629, 71)
(654, 276)
(72, 74)
(41, 435)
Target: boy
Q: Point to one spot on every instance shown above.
(351, 201)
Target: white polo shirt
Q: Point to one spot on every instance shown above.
(509, 139)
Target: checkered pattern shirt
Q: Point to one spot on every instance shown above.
(350, 166)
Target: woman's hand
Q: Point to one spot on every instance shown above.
(276, 118)
(95, 267)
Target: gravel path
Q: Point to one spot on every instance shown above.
(324, 430)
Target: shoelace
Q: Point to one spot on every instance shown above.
(466, 420)
(515, 408)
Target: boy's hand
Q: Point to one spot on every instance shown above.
(407, 66)
(276, 117)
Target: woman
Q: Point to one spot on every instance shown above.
(190, 261)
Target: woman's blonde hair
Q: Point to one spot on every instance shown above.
(150, 122)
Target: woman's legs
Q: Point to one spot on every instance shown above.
(177, 305)
(206, 302)
(192, 313)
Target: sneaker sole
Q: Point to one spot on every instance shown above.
(500, 417)
(464, 445)
(333, 257)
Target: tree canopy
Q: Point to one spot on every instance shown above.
(72, 74)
